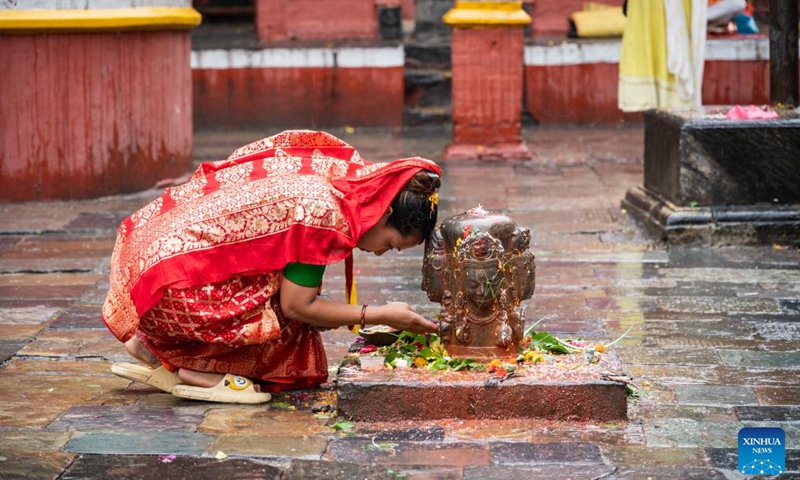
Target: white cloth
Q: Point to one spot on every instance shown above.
(685, 50)
(725, 10)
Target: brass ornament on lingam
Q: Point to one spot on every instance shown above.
(479, 267)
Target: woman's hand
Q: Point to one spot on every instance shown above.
(302, 304)
(402, 316)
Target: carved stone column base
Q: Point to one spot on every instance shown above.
(499, 152)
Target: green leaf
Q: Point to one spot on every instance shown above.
(427, 353)
(438, 364)
(344, 426)
(281, 405)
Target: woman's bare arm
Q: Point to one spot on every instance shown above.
(303, 304)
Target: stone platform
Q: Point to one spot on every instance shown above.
(564, 388)
(715, 181)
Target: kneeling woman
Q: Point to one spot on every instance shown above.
(214, 285)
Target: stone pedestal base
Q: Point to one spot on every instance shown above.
(581, 393)
(715, 181)
(499, 152)
(721, 225)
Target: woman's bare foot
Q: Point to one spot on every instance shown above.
(204, 379)
(137, 350)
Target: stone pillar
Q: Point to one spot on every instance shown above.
(487, 66)
(783, 31)
(96, 97)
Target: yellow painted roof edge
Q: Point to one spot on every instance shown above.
(487, 14)
(59, 21)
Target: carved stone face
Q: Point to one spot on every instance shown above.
(481, 287)
(478, 266)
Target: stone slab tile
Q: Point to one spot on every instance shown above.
(262, 422)
(27, 315)
(307, 469)
(57, 253)
(539, 472)
(59, 389)
(777, 395)
(9, 349)
(788, 329)
(118, 419)
(715, 395)
(363, 451)
(61, 367)
(668, 356)
(393, 433)
(734, 275)
(632, 456)
(74, 343)
(756, 376)
(541, 453)
(33, 465)
(561, 394)
(728, 459)
(34, 441)
(18, 333)
(718, 305)
(179, 468)
(289, 446)
(47, 286)
(79, 316)
(22, 415)
(142, 443)
(93, 221)
(684, 473)
(760, 359)
(688, 433)
(775, 414)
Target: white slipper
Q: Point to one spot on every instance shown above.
(160, 377)
(231, 389)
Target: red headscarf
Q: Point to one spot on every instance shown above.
(299, 196)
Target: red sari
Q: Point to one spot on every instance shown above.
(195, 273)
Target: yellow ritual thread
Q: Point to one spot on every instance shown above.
(73, 20)
(352, 299)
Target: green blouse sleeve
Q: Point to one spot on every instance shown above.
(303, 274)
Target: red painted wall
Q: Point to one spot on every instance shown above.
(736, 82)
(297, 97)
(587, 93)
(86, 115)
(550, 17)
(315, 19)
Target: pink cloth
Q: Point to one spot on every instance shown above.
(750, 112)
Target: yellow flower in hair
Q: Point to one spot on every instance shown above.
(434, 199)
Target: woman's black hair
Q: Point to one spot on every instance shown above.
(415, 208)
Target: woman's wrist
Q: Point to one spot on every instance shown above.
(372, 315)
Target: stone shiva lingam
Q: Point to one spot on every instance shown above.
(479, 267)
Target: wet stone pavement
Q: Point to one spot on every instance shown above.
(713, 341)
